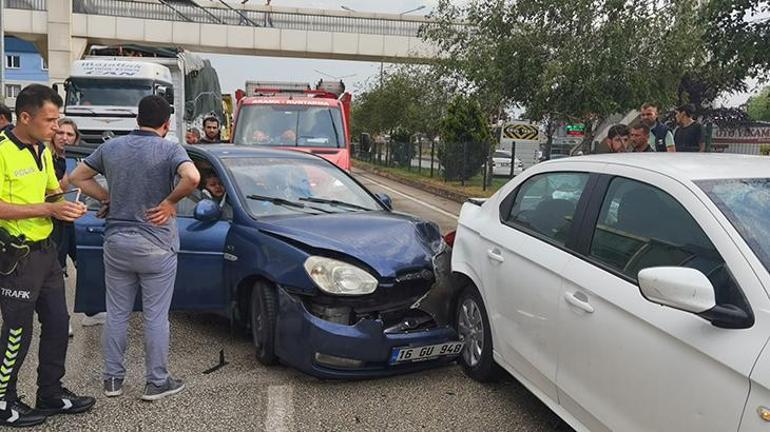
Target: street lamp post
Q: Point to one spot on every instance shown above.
(421, 7)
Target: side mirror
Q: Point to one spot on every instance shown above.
(165, 92)
(385, 200)
(207, 211)
(678, 287)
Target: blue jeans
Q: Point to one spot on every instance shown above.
(132, 261)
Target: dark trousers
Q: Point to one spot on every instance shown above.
(37, 285)
(64, 237)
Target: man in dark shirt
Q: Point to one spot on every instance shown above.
(640, 137)
(689, 136)
(6, 117)
(211, 131)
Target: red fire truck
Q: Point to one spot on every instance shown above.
(296, 116)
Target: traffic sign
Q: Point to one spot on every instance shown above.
(521, 132)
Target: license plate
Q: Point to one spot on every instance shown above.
(422, 353)
(505, 164)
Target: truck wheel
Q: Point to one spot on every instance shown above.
(263, 311)
(473, 328)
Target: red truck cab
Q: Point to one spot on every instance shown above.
(296, 117)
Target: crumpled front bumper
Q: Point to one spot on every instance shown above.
(303, 337)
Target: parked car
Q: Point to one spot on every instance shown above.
(628, 292)
(501, 164)
(328, 279)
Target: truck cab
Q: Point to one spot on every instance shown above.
(102, 95)
(296, 117)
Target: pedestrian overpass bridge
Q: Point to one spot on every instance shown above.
(63, 29)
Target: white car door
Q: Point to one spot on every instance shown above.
(525, 252)
(626, 364)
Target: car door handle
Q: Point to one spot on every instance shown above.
(95, 229)
(579, 300)
(495, 255)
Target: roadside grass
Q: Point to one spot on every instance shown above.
(473, 187)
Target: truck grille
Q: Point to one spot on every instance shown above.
(92, 136)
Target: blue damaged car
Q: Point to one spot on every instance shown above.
(324, 275)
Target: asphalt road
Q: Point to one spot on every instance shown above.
(246, 396)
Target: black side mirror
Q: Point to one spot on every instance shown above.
(207, 211)
(385, 200)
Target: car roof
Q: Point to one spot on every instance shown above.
(224, 151)
(683, 166)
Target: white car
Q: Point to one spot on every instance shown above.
(501, 164)
(628, 292)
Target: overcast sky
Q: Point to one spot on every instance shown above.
(234, 71)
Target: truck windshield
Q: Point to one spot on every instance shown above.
(290, 126)
(107, 92)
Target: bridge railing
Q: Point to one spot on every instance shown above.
(25, 4)
(178, 10)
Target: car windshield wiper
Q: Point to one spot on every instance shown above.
(285, 203)
(335, 203)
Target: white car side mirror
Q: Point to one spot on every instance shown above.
(678, 287)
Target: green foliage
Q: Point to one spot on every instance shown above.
(410, 97)
(582, 60)
(401, 147)
(465, 139)
(759, 106)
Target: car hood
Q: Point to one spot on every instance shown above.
(387, 242)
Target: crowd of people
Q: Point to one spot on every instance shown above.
(212, 132)
(649, 134)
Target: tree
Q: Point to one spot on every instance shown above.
(465, 139)
(409, 98)
(759, 106)
(582, 60)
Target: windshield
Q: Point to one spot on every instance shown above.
(290, 126)
(746, 203)
(107, 92)
(317, 185)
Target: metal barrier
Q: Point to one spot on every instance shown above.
(25, 4)
(178, 10)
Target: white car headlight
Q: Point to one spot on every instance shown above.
(338, 277)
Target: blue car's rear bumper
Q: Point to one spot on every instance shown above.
(301, 335)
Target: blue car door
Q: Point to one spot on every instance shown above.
(200, 273)
(199, 279)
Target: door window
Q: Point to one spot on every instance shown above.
(546, 204)
(640, 226)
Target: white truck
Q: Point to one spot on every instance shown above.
(103, 93)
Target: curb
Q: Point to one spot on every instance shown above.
(435, 190)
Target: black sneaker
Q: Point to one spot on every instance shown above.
(113, 387)
(153, 392)
(19, 414)
(65, 403)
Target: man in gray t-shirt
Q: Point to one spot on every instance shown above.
(141, 239)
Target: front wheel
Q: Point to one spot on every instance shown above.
(473, 329)
(263, 312)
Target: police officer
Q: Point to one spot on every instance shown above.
(37, 283)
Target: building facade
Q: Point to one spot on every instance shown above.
(23, 66)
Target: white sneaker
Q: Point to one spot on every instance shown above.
(71, 333)
(98, 319)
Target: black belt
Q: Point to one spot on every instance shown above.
(39, 245)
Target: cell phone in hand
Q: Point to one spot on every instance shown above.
(57, 196)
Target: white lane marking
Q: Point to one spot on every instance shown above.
(280, 409)
(411, 198)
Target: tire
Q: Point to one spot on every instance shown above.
(262, 316)
(473, 328)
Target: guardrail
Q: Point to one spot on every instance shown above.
(25, 4)
(176, 10)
